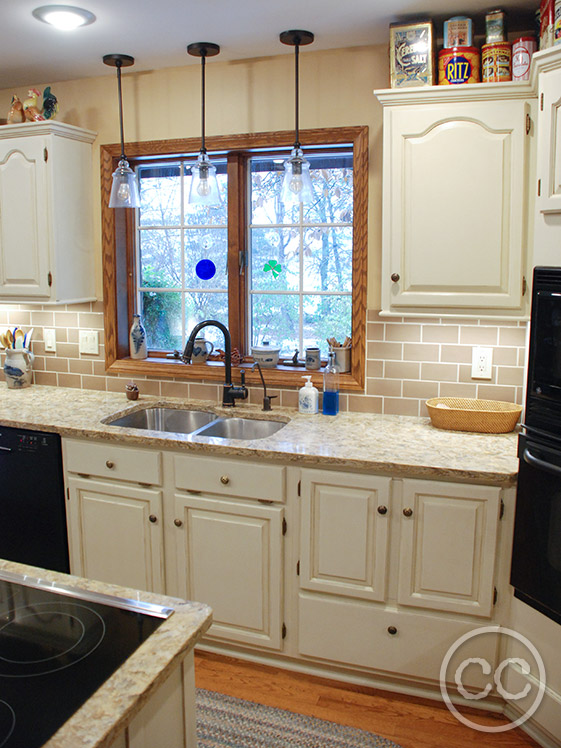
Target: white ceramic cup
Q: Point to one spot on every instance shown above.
(313, 359)
(201, 350)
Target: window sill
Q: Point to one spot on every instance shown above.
(213, 371)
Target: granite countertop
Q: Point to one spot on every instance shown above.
(393, 445)
(110, 709)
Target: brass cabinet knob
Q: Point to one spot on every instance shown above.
(395, 277)
(177, 522)
(382, 509)
(392, 630)
(153, 518)
(224, 480)
(110, 464)
(407, 512)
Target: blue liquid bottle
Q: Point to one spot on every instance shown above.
(331, 387)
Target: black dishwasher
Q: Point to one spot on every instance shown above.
(32, 511)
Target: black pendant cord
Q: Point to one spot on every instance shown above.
(297, 93)
(203, 97)
(118, 65)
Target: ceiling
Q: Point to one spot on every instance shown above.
(156, 32)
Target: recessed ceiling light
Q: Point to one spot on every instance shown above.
(65, 17)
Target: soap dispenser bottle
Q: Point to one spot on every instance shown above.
(331, 387)
(308, 397)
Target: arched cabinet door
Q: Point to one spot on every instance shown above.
(455, 202)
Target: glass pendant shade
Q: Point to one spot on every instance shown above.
(124, 190)
(296, 183)
(204, 188)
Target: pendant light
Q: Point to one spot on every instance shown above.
(297, 184)
(204, 185)
(124, 190)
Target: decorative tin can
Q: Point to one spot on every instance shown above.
(547, 23)
(458, 65)
(458, 32)
(495, 26)
(411, 54)
(557, 23)
(496, 62)
(522, 51)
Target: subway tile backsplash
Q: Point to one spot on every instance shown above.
(408, 360)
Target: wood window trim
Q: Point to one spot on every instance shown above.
(118, 251)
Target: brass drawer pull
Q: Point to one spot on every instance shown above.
(407, 512)
(110, 464)
(153, 518)
(395, 277)
(224, 480)
(177, 522)
(382, 509)
(392, 630)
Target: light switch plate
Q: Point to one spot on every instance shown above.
(482, 363)
(49, 338)
(88, 341)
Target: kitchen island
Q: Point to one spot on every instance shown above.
(151, 693)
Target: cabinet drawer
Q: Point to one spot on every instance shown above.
(355, 633)
(110, 461)
(230, 477)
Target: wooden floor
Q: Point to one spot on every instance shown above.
(411, 722)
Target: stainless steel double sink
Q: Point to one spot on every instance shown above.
(197, 422)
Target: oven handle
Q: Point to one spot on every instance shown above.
(528, 457)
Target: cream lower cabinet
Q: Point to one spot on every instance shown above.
(455, 206)
(358, 595)
(115, 526)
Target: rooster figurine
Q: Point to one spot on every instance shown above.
(16, 115)
(32, 113)
(50, 104)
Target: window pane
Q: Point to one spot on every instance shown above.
(206, 258)
(160, 258)
(275, 259)
(266, 182)
(275, 318)
(207, 215)
(161, 312)
(160, 196)
(328, 259)
(326, 317)
(332, 180)
(202, 306)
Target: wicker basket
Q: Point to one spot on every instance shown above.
(465, 414)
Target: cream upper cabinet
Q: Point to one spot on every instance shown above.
(46, 239)
(455, 202)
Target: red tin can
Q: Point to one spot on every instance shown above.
(522, 51)
(458, 65)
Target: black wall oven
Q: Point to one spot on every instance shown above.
(536, 558)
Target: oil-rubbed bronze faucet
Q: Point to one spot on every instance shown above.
(266, 398)
(230, 392)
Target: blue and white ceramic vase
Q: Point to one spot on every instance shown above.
(137, 339)
(17, 368)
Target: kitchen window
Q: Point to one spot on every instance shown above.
(292, 275)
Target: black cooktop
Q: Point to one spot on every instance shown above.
(57, 646)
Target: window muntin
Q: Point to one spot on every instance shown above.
(300, 257)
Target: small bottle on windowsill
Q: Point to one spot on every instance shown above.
(331, 387)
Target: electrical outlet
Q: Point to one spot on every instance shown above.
(482, 363)
(49, 338)
(88, 341)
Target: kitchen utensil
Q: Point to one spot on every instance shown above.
(27, 338)
(19, 337)
(4, 341)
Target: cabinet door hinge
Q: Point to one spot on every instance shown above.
(284, 526)
(45, 154)
(495, 595)
(299, 488)
(502, 510)
(541, 102)
(528, 124)
(298, 568)
(50, 279)
(524, 289)
(284, 630)
(539, 187)
(67, 494)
